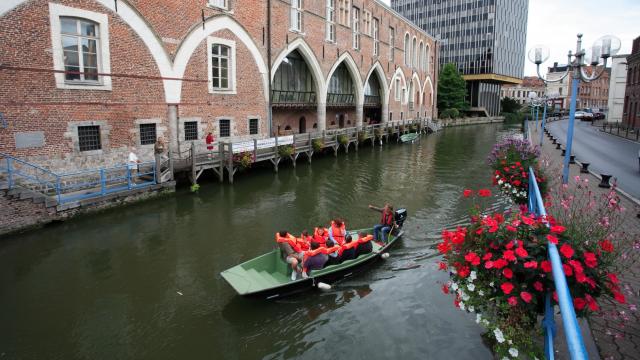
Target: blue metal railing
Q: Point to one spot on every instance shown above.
(78, 185)
(569, 321)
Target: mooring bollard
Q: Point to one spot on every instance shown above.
(605, 181)
(564, 152)
(585, 168)
(558, 145)
(554, 141)
(572, 159)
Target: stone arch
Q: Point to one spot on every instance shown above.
(427, 88)
(198, 34)
(347, 59)
(377, 70)
(312, 62)
(399, 74)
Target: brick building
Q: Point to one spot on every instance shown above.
(85, 80)
(631, 112)
(520, 92)
(593, 95)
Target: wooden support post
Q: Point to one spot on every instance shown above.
(255, 149)
(276, 155)
(230, 163)
(158, 160)
(220, 163)
(193, 163)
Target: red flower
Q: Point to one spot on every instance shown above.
(590, 259)
(555, 296)
(500, 263)
(619, 297)
(566, 250)
(487, 256)
(506, 287)
(526, 296)
(557, 229)
(538, 286)
(488, 264)
(579, 303)
(445, 288)
(507, 273)
(511, 228)
(576, 266)
(613, 278)
(568, 270)
(581, 277)
(442, 266)
(484, 192)
(463, 272)
(467, 192)
(606, 245)
(509, 255)
(593, 305)
(513, 301)
(472, 258)
(531, 264)
(509, 245)
(444, 247)
(522, 252)
(545, 265)
(552, 239)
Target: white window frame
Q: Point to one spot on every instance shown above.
(295, 17)
(216, 4)
(56, 11)
(232, 65)
(355, 23)
(331, 21)
(366, 19)
(376, 36)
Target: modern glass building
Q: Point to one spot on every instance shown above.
(484, 38)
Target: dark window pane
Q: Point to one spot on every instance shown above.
(147, 134)
(88, 29)
(89, 138)
(75, 76)
(191, 130)
(253, 126)
(68, 26)
(225, 128)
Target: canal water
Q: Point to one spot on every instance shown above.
(142, 282)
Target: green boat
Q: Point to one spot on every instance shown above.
(268, 276)
(410, 137)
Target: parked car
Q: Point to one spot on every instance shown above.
(583, 115)
(598, 115)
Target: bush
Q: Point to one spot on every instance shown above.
(244, 159)
(377, 133)
(285, 150)
(343, 139)
(317, 144)
(516, 118)
(450, 114)
(362, 136)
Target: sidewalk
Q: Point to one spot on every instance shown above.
(616, 330)
(614, 129)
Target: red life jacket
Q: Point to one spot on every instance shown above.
(320, 239)
(321, 250)
(305, 244)
(386, 218)
(347, 246)
(338, 232)
(364, 239)
(291, 240)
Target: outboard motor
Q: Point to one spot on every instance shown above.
(400, 216)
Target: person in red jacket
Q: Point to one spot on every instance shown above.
(386, 222)
(348, 249)
(320, 235)
(290, 251)
(364, 244)
(210, 139)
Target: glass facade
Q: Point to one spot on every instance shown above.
(482, 37)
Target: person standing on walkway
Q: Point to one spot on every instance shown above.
(386, 222)
(210, 139)
(132, 164)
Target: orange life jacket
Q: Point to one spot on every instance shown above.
(320, 239)
(305, 244)
(291, 240)
(347, 246)
(365, 239)
(338, 233)
(321, 250)
(386, 219)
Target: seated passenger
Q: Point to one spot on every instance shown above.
(333, 250)
(304, 240)
(314, 259)
(386, 222)
(364, 244)
(320, 235)
(338, 231)
(290, 251)
(348, 249)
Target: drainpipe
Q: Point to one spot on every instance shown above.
(270, 105)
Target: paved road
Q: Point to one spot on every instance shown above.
(606, 153)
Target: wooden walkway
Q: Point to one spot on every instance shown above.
(225, 155)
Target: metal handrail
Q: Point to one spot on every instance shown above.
(572, 332)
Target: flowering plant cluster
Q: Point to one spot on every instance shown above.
(244, 159)
(499, 269)
(510, 160)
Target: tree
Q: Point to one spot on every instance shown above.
(452, 89)
(509, 105)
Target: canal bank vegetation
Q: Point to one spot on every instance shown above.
(452, 90)
(499, 265)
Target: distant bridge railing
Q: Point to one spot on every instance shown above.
(572, 332)
(75, 186)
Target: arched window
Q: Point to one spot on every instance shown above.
(414, 53)
(407, 50)
(427, 59)
(293, 81)
(341, 89)
(421, 62)
(80, 42)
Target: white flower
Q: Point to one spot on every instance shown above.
(478, 318)
(500, 182)
(462, 306)
(471, 287)
(485, 322)
(497, 176)
(504, 358)
(454, 286)
(491, 284)
(513, 352)
(473, 275)
(453, 270)
(465, 297)
(499, 335)
(472, 309)
(480, 292)
(510, 342)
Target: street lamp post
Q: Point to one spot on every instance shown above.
(603, 48)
